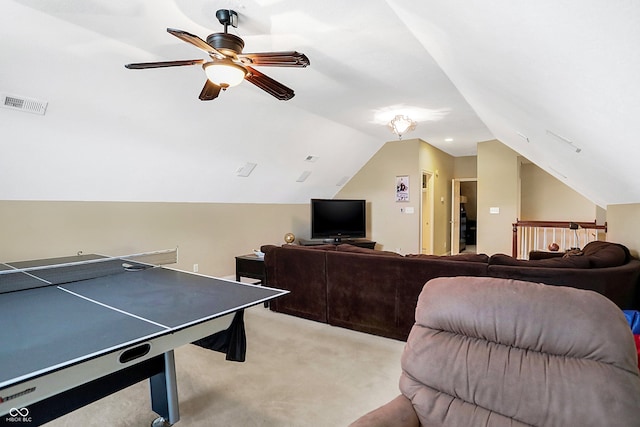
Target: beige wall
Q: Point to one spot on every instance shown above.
(209, 235)
(393, 229)
(498, 187)
(622, 222)
(442, 166)
(521, 190)
(375, 182)
(465, 167)
(545, 198)
(212, 234)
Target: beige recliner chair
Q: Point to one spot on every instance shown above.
(497, 352)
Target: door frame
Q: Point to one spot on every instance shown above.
(430, 195)
(455, 212)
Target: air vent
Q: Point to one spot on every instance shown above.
(557, 172)
(565, 140)
(343, 181)
(523, 136)
(246, 170)
(311, 158)
(21, 103)
(303, 176)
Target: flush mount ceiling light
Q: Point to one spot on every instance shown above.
(401, 125)
(224, 73)
(382, 116)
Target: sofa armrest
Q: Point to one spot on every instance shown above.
(397, 413)
(267, 248)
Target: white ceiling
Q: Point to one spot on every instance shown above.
(533, 74)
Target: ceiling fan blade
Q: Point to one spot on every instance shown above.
(209, 91)
(194, 40)
(143, 65)
(275, 59)
(269, 85)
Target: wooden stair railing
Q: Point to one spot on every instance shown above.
(538, 235)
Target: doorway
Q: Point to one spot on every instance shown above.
(463, 215)
(426, 214)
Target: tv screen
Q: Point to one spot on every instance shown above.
(337, 218)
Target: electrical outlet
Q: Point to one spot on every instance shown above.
(195, 268)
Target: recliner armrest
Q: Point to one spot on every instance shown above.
(397, 413)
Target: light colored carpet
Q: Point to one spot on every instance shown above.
(297, 373)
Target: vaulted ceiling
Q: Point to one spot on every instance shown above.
(557, 81)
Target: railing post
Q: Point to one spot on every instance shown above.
(514, 240)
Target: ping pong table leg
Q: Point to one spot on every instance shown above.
(164, 393)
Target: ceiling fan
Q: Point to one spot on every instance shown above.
(228, 65)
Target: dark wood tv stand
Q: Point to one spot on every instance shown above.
(363, 243)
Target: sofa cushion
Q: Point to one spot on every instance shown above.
(606, 254)
(568, 262)
(345, 247)
(483, 258)
(544, 255)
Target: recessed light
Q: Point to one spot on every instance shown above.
(448, 139)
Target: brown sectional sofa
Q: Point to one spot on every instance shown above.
(376, 291)
(603, 267)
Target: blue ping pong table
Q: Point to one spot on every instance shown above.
(76, 329)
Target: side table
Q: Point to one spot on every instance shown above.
(251, 266)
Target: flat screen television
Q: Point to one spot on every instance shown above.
(336, 219)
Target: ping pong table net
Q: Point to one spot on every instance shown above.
(17, 276)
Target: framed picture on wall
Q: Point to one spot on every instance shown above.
(402, 188)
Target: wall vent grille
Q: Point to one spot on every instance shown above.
(21, 103)
(342, 181)
(565, 140)
(303, 176)
(246, 170)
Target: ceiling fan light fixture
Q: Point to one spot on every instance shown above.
(224, 73)
(401, 124)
